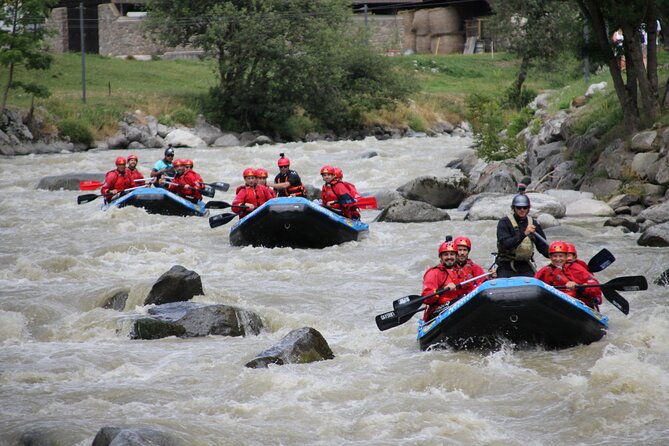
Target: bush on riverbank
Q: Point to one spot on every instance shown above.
(158, 87)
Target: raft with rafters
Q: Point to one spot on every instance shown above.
(156, 200)
(523, 311)
(295, 222)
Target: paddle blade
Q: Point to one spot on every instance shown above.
(617, 300)
(367, 203)
(600, 261)
(391, 319)
(208, 191)
(90, 185)
(216, 205)
(628, 283)
(220, 220)
(220, 185)
(81, 199)
(404, 301)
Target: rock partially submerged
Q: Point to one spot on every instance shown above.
(176, 285)
(190, 319)
(409, 211)
(68, 181)
(300, 346)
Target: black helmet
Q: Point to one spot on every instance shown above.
(169, 151)
(520, 200)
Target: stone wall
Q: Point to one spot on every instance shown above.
(122, 35)
(57, 43)
(386, 31)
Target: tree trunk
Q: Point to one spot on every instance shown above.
(5, 93)
(522, 74)
(593, 14)
(635, 65)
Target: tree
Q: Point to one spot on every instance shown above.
(21, 40)
(534, 30)
(278, 57)
(604, 17)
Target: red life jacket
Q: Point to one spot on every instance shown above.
(339, 190)
(187, 185)
(435, 279)
(246, 195)
(469, 271)
(135, 176)
(115, 180)
(572, 272)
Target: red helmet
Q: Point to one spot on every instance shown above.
(571, 249)
(463, 241)
(261, 173)
(338, 173)
(447, 247)
(327, 169)
(133, 157)
(188, 163)
(179, 163)
(120, 161)
(283, 161)
(249, 172)
(557, 246)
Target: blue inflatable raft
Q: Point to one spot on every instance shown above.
(295, 222)
(157, 200)
(522, 310)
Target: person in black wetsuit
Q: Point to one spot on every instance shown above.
(517, 239)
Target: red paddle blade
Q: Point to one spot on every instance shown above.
(89, 185)
(366, 203)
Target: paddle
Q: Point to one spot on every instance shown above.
(616, 300)
(625, 283)
(390, 319)
(220, 220)
(92, 185)
(207, 191)
(218, 185)
(600, 261)
(212, 204)
(408, 304)
(366, 203)
(81, 199)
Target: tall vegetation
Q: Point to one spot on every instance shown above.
(21, 36)
(537, 32)
(637, 87)
(278, 59)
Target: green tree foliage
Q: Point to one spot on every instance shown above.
(21, 41)
(281, 58)
(537, 31)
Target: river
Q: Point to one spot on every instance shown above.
(68, 367)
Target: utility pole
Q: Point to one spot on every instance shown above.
(83, 52)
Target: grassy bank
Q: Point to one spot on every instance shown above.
(170, 90)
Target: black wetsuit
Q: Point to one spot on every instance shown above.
(508, 239)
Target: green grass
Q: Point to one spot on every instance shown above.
(173, 89)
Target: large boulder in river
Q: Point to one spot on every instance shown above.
(494, 207)
(409, 211)
(657, 214)
(183, 138)
(68, 181)
(300, 346)
(135, 436)
(190, 319)
(589, 207)
(176, 285)
(657, 236)
(443, 192)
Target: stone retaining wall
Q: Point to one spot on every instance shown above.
(120, 35)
